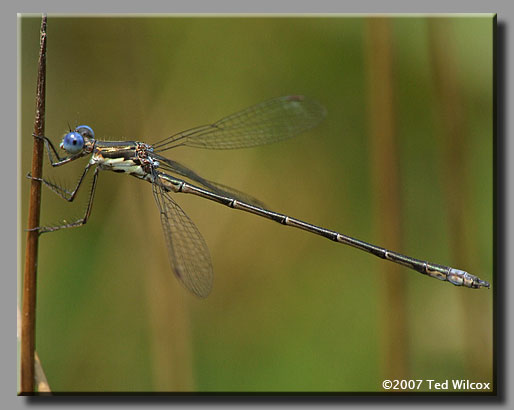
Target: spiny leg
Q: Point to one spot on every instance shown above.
(62, 192)
(79, 222)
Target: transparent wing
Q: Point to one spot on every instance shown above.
(220, 189)
(188, 253)
(271, 121)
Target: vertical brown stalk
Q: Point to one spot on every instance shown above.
(386, 202)
(39, 375)
(452, 141)
(456, 181)
(28, 321)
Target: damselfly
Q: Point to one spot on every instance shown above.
(270, 121)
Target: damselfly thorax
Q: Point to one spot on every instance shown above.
(131, 157)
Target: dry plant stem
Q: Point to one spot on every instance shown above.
(28, 320)
(387, 200)
(39, 377)
(456, 154)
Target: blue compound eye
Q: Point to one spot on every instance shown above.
(72, 142)
(85, 131)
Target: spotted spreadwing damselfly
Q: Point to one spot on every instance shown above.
(271, 121)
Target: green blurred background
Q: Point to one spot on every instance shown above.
(403, 160)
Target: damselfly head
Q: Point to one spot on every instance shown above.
(74, 141)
